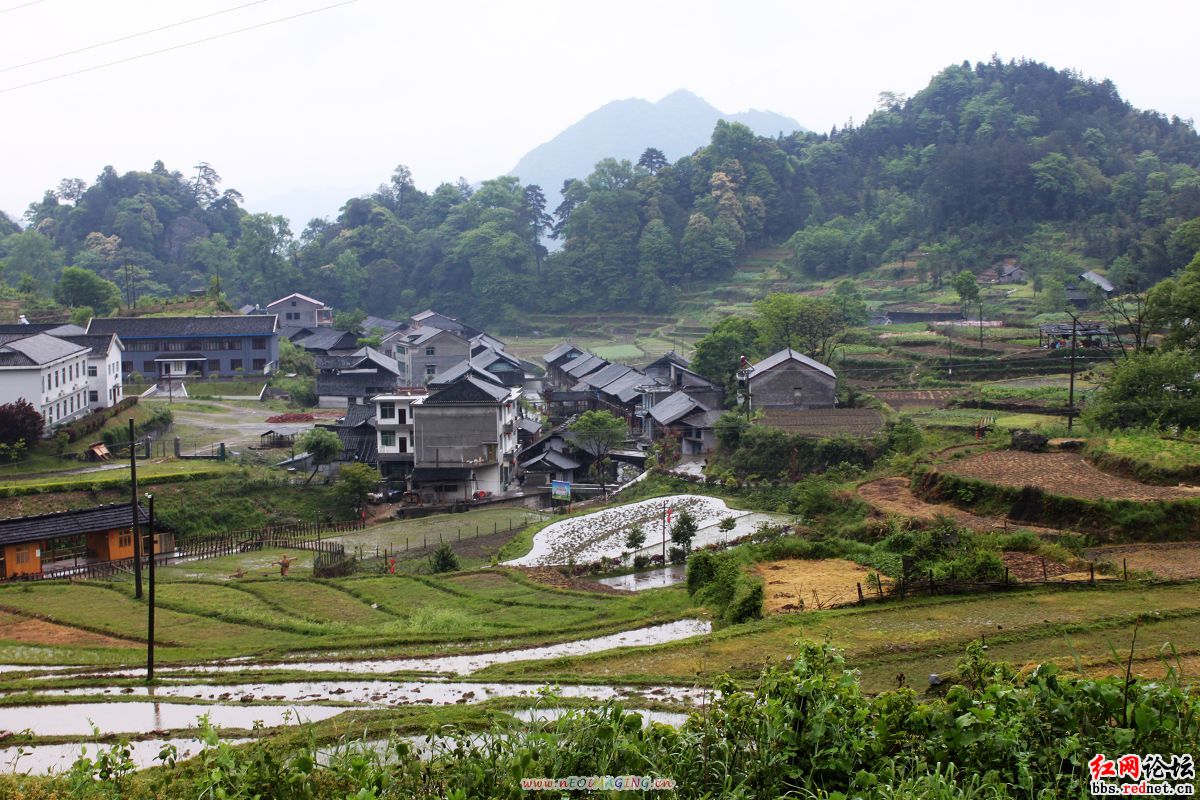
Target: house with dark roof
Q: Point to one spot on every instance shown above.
(792, 380)
(160, 347)
(48, 372)
(356, 430)
(465, 436)
(690, 420)
(395, 431)
(1090, 286)
(424, 351)
(433, 319)
(355, 378)
(301, 311)
(328, 340)
(61, 540)
(552, 458)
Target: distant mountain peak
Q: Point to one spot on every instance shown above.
(677, 124)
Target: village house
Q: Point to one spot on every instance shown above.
(792, 380)
(48, 372)
(356, 431)
(424, 351)
(465, 439)
(46, 543)
(685, 417)
(166, 347)
(300, 311)
(345, 380)
(551, 458)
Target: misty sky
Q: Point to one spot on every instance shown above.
(303, 114)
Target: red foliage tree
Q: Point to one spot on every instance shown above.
(20, 421)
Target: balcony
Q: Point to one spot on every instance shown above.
(457, 455)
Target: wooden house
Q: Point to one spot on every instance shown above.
(44, 543)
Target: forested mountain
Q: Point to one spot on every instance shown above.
(989, 160)
(677, 125)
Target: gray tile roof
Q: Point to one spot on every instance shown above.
(35, 350)
(583, 365)
(144, 327)
(459, 370)
(1098, 280)
(388, 325)
(468, 389)
(99, 344)
(69, 523)
(675, 407)
(559, 351)
(602, 377)
(52, 328)
(625, 388)
(788, 354)
(328, 339)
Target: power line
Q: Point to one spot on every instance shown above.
(130, 36)
(23, 5)
(177, 47)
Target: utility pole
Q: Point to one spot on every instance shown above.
(150, 610)
(1071, 391)
(664, 534)
(137, 536)
(981, 323)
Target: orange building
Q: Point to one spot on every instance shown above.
(64, 539)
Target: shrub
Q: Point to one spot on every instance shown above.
(443, 559)
(747, 604)
(20, 422)
(701, 568)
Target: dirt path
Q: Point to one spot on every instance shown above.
(892, 497)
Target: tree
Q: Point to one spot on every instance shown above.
(596, 433)
(811, 325)
(1054, 295)
(1149, 389)
(717, 356)
(20, 422)
(533, 215)
(443, 559)
(323, 445)
(295, 359)
(354, 483)
(967, 287)
(350, 321)
(1175, 304)
(684, 530)
(652, 160)
(635, 538)
(80, 287)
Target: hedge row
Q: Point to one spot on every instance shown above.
(85, 484)
(1116, 520)
(95, 420)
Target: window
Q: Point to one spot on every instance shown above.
(387, 438)
(94, 397)
(429, 351)
(387, 410)
(259, 364)
(21, 554)
(293, 314)
(127, 367)
(92, 373)
(56, 384)
(214, 365)
(430, 370)
(234, 363)
(149, 368)
(125, 538)
(258, 344)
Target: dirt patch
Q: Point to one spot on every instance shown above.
(892, 497)
(1173, 561)
(14, 628)
(1063, 474)
(920, 398)
(549, 576)
(1032, 567)
(797, 585)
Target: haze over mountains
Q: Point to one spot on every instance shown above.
(677, 125)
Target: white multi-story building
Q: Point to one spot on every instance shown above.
(103, 368)
(300, 311)
(394, 431)
(49, 372)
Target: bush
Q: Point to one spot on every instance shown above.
(20, 422)
(747, 604)
(443, 559)
(95, 420)
(641, 562)
(701, 568)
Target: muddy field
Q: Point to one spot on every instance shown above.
(1064, 474)
(23, 630)
(919, 398)
(892, 497)
(799, 585)
(1173, 561)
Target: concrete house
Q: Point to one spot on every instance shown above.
(425, 351)
(177, 346)
(466, 439)
(50, 373)
(103, 368)
(793, 380)
(300, 311)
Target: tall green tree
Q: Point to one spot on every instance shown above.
(80, 287)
